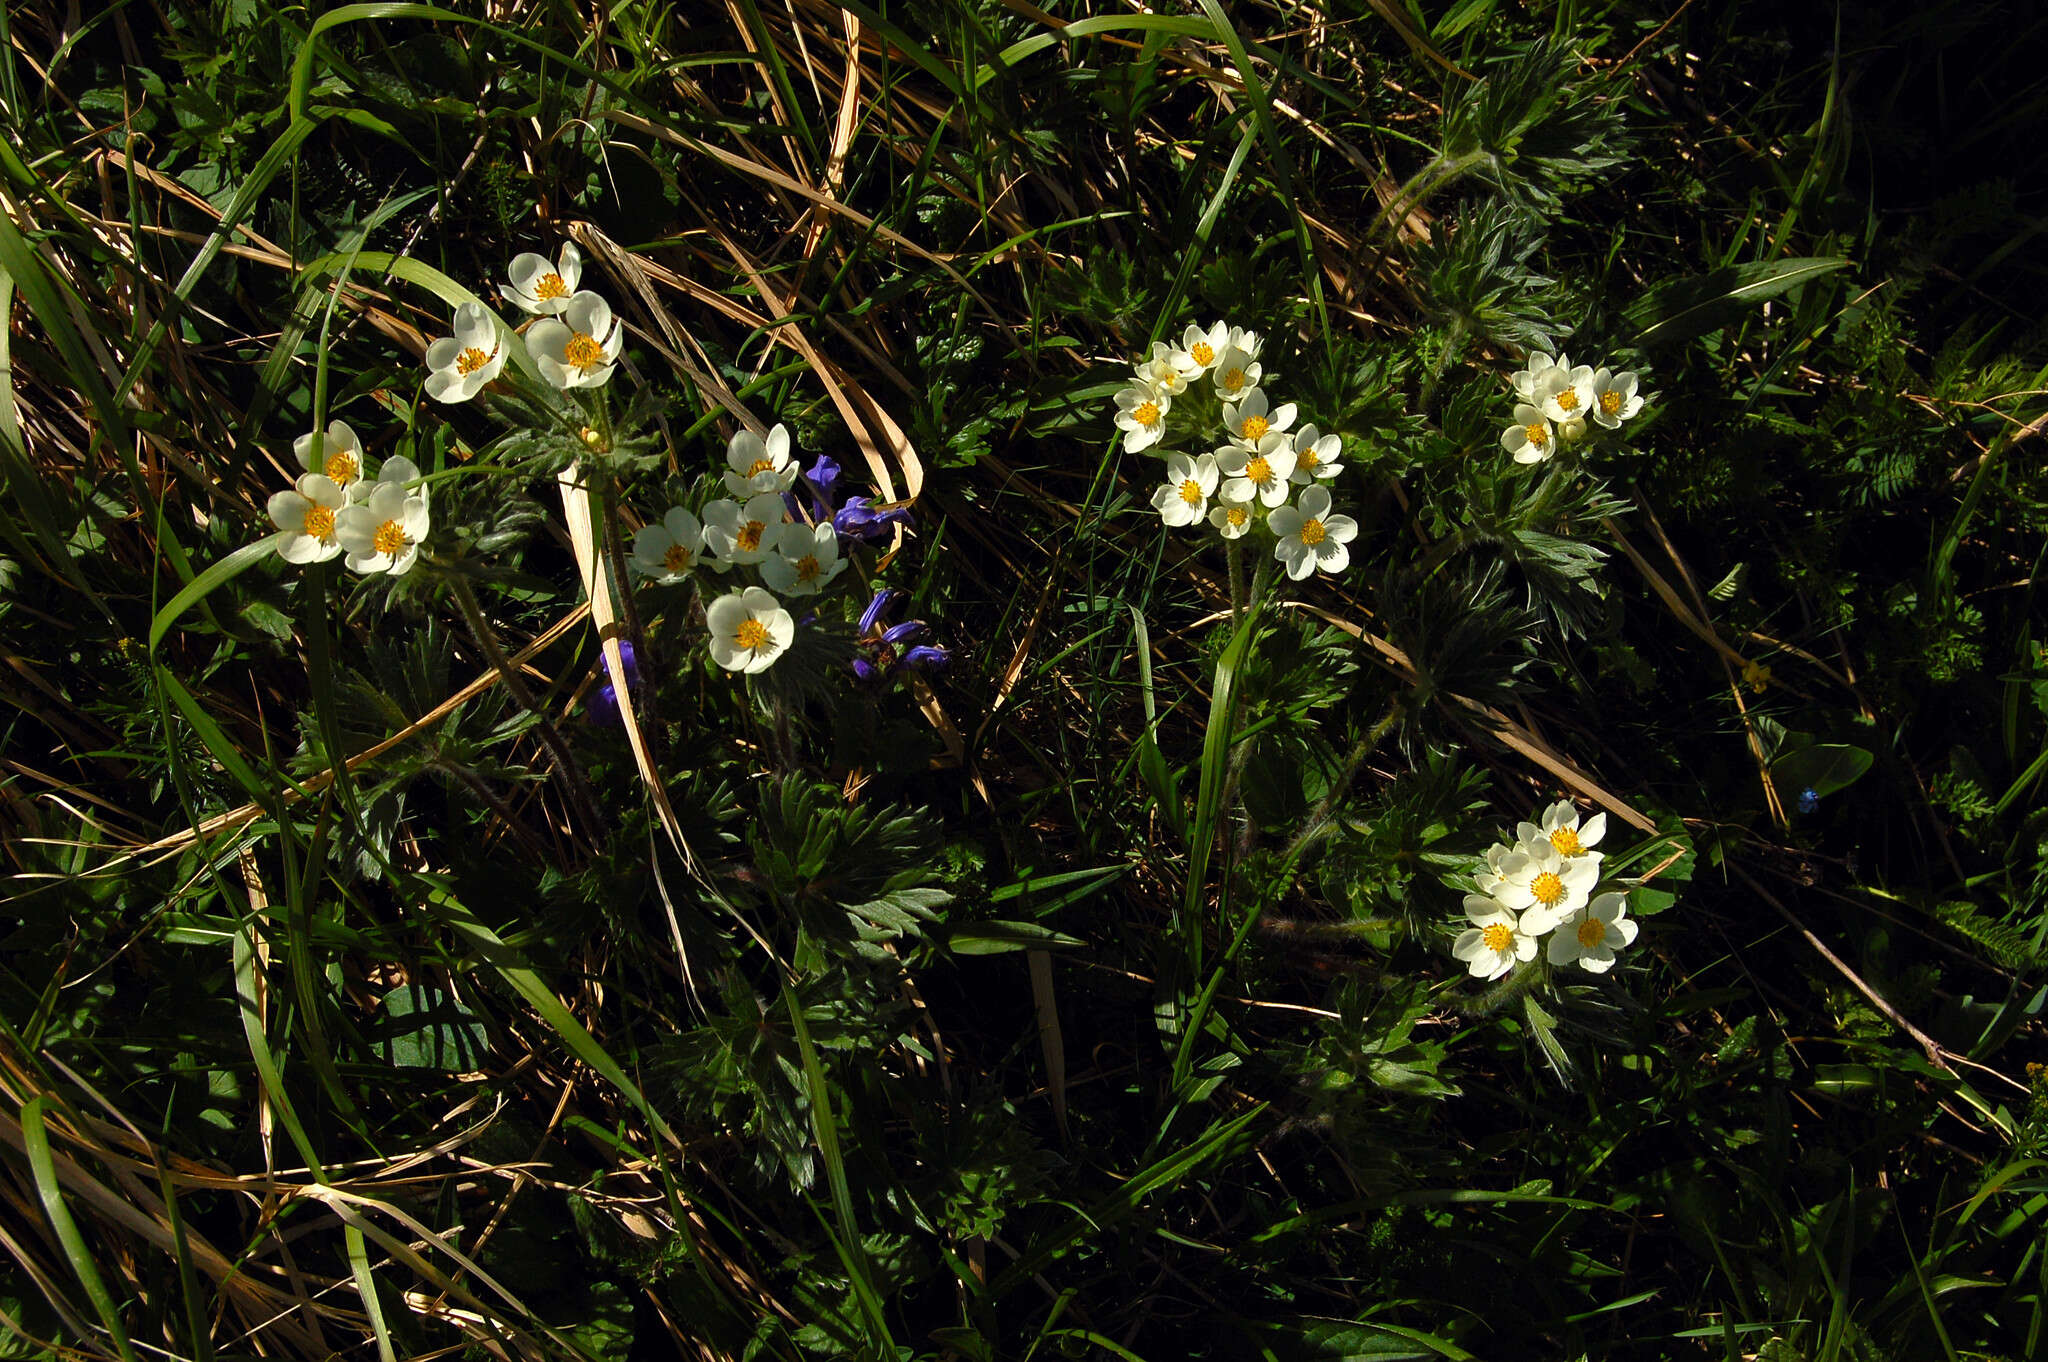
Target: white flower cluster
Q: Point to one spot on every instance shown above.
(752, 528)
(1554, 400)
(1543, 884)
(1245, 483)
(335, 507)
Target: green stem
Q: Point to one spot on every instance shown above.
(1319, 817)
(1233, 554)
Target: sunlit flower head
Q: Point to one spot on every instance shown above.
(805, 559)
(755, 464)
(1260, 473)
(339, 458)
(1141, 416)
(1566, 394)
(459, 366)
(1561, 829)
(382, 533)
(1308, 538)
(308, 516)
(1161, 373)
(1529, 380)
(578, 349)
(1199, 349)
(749, 629)
(1495, 940)
(667, 551)
(397, 471)
(1235, 373)
(1539, 883)
(541, 288)
(743, 534)
(1316, 456)
(1250, 420)
(1592, 934)
(1234, 511)
(1246, 342)
(1190, 482)
(1614, 398)
(1530, 439)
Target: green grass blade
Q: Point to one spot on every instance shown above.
(35, 1140)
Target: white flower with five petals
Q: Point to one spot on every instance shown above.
(459, 366)
(1251, 420)
(1530, 439)
(1141, 416)
(1190, 482)
(743, 534)
(1540, 884)
(1495, 941)
(1198, 349)
(1566, 395)
(1562, 829)
(580, 348)
(666, 552)
(805, 560)
(307, 515)
(382, 532)
(541, 288)
(1614, 398)
(1310, 539)
(749, 630)
(1235, 374)
(755, 465)
(1315, 457)
(1162, 373)
(1260, 473)
(1232, 513)
(1590, 936)
(339, 458)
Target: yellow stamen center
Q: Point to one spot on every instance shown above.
(1258, 470)
(1498, 936)
(1536, 434)
(1569, 399)
(389, 539)
(751, 634)
(1202, 353)
(471, 360)
(1145, 413)
(1610, 402)
(551, 285)
(1548, 889)
(1591, 933)
(761, 466)
(749, 537)
(677, 559)
(319, 523)
(1313, 533)
(1306, 459)
(1233, 379)
(1191, 491)
(807, 568)
(1566, 840)
(343, 467)
(1254, 428)
(583, 351)
(1238, 517)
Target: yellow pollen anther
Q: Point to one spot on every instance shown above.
(749, 537)
(1202, 353)
(761, 466)
(1306, 459)
(1145, 413)
(471, 360)
(1498, 936)
(1536, 434)
(551, 285)
(1233, 379)
(1548, 889)
(389, 539)
(1191, 491)
(320, 522)
(343, 467)
(1255, 428)
(1566, 840)
(583, 351)
(1610, 402)
(1569, 399)
(1238, 516)
(1591, 932)
(677, 559)
(1313, 533)
(1258, 470)
(807, 568)
(751, 634)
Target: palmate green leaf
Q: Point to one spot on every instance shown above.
(1684, 308)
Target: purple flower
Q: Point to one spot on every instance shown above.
(884, 644)
(604, 705)
(860, 518)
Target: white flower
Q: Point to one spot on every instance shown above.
(756, 465)
(1309, 537)
(540, 288)
(458, 366)
(1198, 349)
(383, 532)
(666, 552)
(1315, 456)
(1614, 398)
(1593, 934)
(578, 349)
(340, 458)
(1246, 343)
(1530, 438)
(1563, 831)
(805, 560)
(1572, 431)
(1251, 421)
(1232, 514)
(1236, 373)
(1184, 500)
(742, 534)
(1529, 382)
(399, 472)
(1162, 373)
(307, 517)
(1141, 416)
(1495, 940)
(1261, 472)
(1566, 394)
(1540, 884)
(749, 630)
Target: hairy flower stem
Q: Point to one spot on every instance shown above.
(571, 775)
(1319, 817)
(1233, 555)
